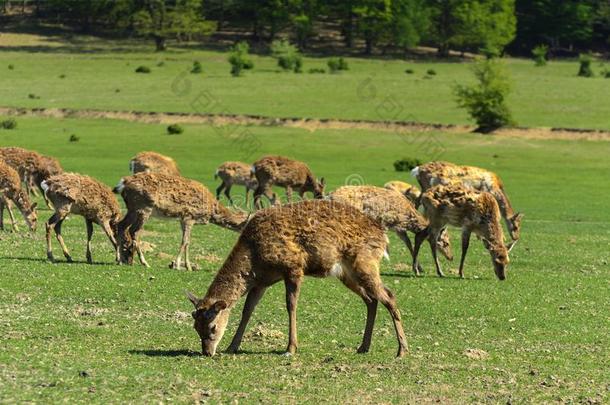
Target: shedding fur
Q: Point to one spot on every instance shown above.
(235, 173)
(286, 173)
(406, 189)
(153, 162)
(12, 191)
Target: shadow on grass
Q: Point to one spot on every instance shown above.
(433, 275)
(41, 260)
(190, 353)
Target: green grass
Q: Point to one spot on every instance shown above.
(552, 96)
(104, 333)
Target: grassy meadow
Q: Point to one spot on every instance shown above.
(115, 334)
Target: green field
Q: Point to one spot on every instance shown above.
(104, 333)
(100, 75)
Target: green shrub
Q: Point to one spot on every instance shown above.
(196, 67)
(335, 65)
(142, 69)
(317, 70)
(74, 138)
(9, 123)
(161, 64)
(431, 72)
(33, 96)
(239, 58)
(406, 164)
(287, 55)
(485, 101)
(585, 66)
(409, 71)
(11, 67)
(62, 76)
(540, 53)
(174, 129)
(606, 74)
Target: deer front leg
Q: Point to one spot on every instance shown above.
(289, 194)
(371, 314)
(219, 190)
(12, 217)
(432, 238)
(60, 239)
(1, 213)
(293, 288)
(89, 225)
(186, 234)
(405, 238)
(253, 298)
(465, 244)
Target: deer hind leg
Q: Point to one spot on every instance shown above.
(228, 193)
(365, 281)
(54, 223)
(465, 244)
(253, 298)
(134, 232)
(12, 217)
(2, 202)
(293, 289)
(405, 238)
(288, 194)
(89, 225)
(219, 189)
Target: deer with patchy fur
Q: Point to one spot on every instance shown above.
(153, 162)
(472, 211)
(27, 163)
(72, 193)
(166, 196)
(406, 189)
(434, 173)
(235, 173)
(316, 238)
(11, 190)
(394, 212)
(287, 173)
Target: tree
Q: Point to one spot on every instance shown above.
(163, 19)
(373, 18)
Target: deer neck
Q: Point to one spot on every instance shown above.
(226, 218)
(234, 278)
(504, 204)
(22, 201)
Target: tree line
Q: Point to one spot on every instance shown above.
(488, 26)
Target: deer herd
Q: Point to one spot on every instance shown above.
(340, 234)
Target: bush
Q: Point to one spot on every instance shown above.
(196, 67)
(142, 69)
(540, 53)
(11, 67)
(62, 76)
(585, 66)
(161, 64)
(74, 138)
(431, 72)
(486, 100)
(317, 70)
(33, 96)
(606, 74)
(335, 65)
(406, 164)
(174, 129)
(409, 71)
(239, 59)
(287, 55)
(9, 123)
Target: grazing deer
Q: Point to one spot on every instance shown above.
(311, 238)
(11, 190)
(472, 211)
(72, 193)
(433, 173)
(168, 197)
(394, 212)
(27, 163)
(49, 166)
(234, 173)
(287, 173)
(406, 189)
(153, 162)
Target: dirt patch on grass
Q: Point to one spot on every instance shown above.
(310, 124)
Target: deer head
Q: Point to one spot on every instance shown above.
(514, 225)
(318, 188)
(444, 245)
(210, 322)
(499, 256)
(31, 218)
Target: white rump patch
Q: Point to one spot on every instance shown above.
(120, 186)
(337, 270)
(386, 255)
(415, 172)
(44, 186)
(252, 169)
(132, 166)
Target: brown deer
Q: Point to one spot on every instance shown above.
(472, 211)
(433, 173)
(49, 166)
(11, 190)
(394, 212)
(168, 197)
(232, 173)
(26, 162)
(153, 162)
(72, 193)
(406, 189)
(287, 173)
(311, 238)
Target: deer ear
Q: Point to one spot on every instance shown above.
(192, 298)
(220, 305)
